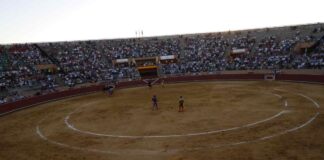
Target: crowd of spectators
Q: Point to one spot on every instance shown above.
(19, 65)
(92, 61)
(212, 54)
(19, 70)
(10, 97)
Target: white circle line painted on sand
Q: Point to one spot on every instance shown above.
(42, 136)
(279, 89)
(137, 152)
(316, 104)
(279, 96)
(171, 151)
(262, 138)
(300, 94)
(71, 126)
(173, 135)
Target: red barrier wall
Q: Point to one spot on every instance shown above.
(8, 107)
(301, 78)
(27, 102)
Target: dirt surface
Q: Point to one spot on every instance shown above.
(222, 120)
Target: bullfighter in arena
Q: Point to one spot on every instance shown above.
(154, 103)
(181, 102)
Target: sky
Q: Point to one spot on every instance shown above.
(66, 20)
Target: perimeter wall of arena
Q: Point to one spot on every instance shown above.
(316, 76)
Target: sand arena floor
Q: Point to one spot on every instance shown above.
(222, 120)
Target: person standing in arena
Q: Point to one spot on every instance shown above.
(111, 90)
(162, 83)
(154, 103)
(181, 102)
(149, 84)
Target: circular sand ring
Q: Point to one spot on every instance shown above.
(172, 151)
